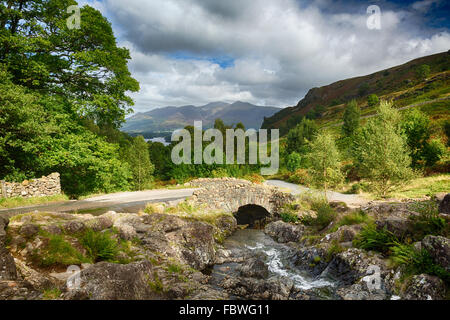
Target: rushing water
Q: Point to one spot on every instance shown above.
(278, 257)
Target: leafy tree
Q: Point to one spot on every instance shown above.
(363, 89)
(423, 71)
(325, 161)
(139, 160)
(298, 137)
(372, 100)
(352, 115)
(161, 158)
(294, 161)
(447, 131)
(381, 151)
(433, 152)
(84, 65)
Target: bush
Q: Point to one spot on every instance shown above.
(289, 217)
(294, 161)
(372, 239)
(101, 246)
(428, 222)
(352, 219)
(325, 215)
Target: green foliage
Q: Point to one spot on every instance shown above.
(372, 100)
(372, 239)
(423, 71)
(352, 115)
(381, 152)
(101, 246)
(137, 156)
(357, 217)
(324, 158)
(57, 251)
(298, 138)
(417, 128)
(429, 222)
(84, 65)
(294, 161)
(289, 217)
(325, 215)
(417, 261)
(446, 128)
(51, 294)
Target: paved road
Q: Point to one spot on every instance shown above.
(120, 202)
(352, 200)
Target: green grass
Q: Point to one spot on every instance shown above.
(428, 222)
(289, 217)
(101, 246)
(325, 215)
(7, 203)
(424, 186)
(57, 251)
(357, 217)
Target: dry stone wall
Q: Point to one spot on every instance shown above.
(46, 186)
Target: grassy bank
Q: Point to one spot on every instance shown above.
(7, 203)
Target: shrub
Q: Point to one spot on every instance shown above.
(428, 222)
(294, 161)
(352, 218)
(101, 246)
(325, 215)
(289, 217)
(372, 239)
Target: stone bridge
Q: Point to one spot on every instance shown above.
(250, 202)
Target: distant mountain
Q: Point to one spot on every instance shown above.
(172, 118)
(398, 84)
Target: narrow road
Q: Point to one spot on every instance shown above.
(120, 202)
(352, 200)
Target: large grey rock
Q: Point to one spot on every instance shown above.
(439, 249)
(284, 232)
(109, 281)
(29, 230)
(400, 227)
(254, 268)
(425, 287)
(444, 206)
(4, 221)
(7, 266)
(256, 289)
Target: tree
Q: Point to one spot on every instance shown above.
(423, 71)
(372, 100)
(416, 126)
(85, 66)
(294, 161)
(325, 162)
(298, 137)
(381, 151)
(351, 119)
(139, 160)
(446, 128)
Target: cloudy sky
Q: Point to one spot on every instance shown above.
(266, 52)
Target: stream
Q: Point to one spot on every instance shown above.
(277, 257)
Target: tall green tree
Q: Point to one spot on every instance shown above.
(139, 160)
(325, 165)
(352, 115)
(85, 65)
(298, 137)
(381, 151)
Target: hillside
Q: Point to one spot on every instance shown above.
(171, 118)
(400, 84)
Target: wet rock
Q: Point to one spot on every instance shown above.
(343, 234)
(109, 281)
(349, 266)
(29, 230)
(313, 259)
(274, 288)
(18, 290)
(254, 268)
(284, 232)
(227, 224)
(439, 249)
(444, 205)
(425, 287)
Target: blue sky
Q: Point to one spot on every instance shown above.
(266, 52)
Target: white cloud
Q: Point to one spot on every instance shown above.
(281, 49)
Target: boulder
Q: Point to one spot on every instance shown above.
(73, 227)
(7, 265)
(284, 232)
(254, 268)
(109, 281)
(274, 288)
(313, 259)
(425, 287)
(444, 206)
(400, 227)
(4, 221)
(343, 234)
(29, 230)
(439, 249)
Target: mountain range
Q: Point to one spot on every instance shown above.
(172, 118)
